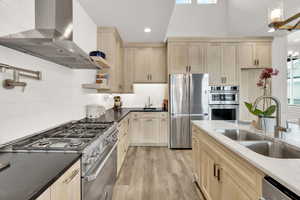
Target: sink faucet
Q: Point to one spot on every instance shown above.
(278, 128)
(148, 104)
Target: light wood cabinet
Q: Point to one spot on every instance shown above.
(214, 64)
(128, 70)
(45, 196)
(110, 42)
(255, 55)
(158, 66)
(223, 174)
(150, 64)
(148, 129)
(185, 57)
(123, 142)
(248, 92)
(196, 158)
(196, 53)
(222, 58)
(68, 186)
(177, 58)
(221, 64)
(163, 130)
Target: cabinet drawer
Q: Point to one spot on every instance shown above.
(150, 115)
(135, 115)
(163, 115)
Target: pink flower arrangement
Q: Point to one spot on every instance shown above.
(266, 74)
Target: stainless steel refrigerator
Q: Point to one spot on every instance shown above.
(188, 101)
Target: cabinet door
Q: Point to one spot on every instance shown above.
(45, 196)
(229, 67)
(150, 130)
(209, 182)
(142, 65)
(158, 66)
(214, 61)
(177, 58)
(196, 58)
(246, 56)
(248, 92)
(263, 54)
(68, 186)
(163, 131)
(135, 135)
(231, 190)
(128, 70)
(196, 159)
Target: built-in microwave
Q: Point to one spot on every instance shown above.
(224, 103)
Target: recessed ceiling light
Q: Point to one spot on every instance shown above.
(147, 30)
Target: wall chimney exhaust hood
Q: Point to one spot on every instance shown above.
(51, 38)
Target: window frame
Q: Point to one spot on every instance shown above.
(290, 80)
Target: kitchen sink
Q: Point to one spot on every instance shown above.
(261, 144)
(273, 149)
(240, 135)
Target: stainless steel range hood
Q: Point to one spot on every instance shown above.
(52, 37)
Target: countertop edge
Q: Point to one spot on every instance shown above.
(223, 140)
(35, 195)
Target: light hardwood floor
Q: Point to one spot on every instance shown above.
(151, 173)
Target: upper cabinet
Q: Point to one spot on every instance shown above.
(110, 42)
(255, 55)
(148, 62)
(221, 64)
(185, 57)
(222, 58)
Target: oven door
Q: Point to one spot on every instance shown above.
(224, 112)
(98, 184)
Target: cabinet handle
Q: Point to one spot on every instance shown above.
(219, 173)
(215, 170)
(71, 177)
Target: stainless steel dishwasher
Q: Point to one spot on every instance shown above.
(272, 190)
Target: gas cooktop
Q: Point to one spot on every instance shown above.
(73, 136)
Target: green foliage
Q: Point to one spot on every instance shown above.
(257, 112)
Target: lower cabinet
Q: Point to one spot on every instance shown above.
(223, 175)
(67, 187)
(148, 129)
(45, 196)
(123, 142)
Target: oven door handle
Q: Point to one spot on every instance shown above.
(94, 175)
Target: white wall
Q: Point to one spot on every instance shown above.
(279, 83)
(56, 99)
(199, 20)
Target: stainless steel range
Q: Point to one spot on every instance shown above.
(95, 139)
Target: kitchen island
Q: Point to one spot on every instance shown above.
(285, 171)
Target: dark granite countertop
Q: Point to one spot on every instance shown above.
(30, 174)
(117, 116)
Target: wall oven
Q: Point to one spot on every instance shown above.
(224, 103)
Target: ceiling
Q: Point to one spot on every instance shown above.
(227, 18)
(132, 16)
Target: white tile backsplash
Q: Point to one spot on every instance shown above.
(57, 99)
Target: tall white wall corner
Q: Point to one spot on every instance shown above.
(279, 83)
(84, 28)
